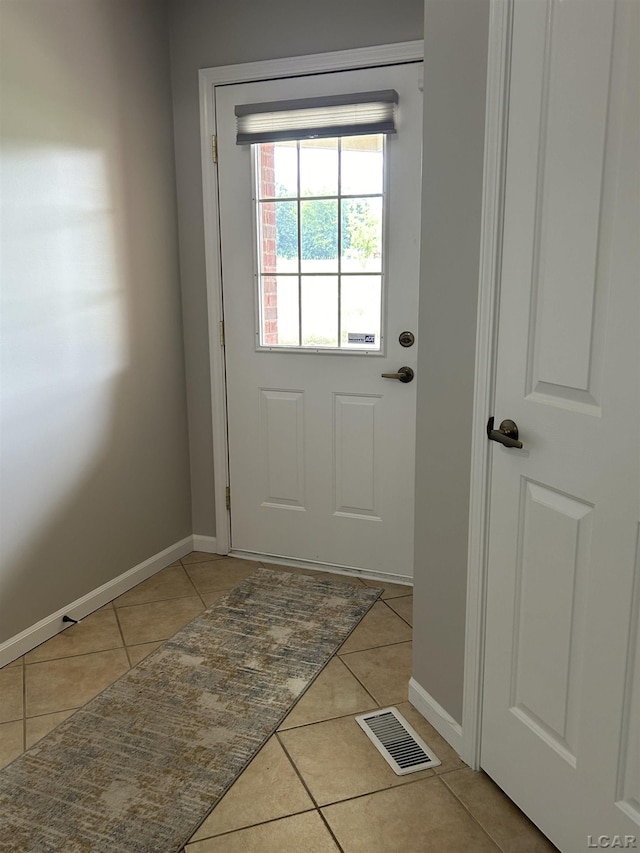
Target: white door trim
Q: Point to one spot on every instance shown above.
(209, 78)
(485, 368)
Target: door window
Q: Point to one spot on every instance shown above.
(320, 248)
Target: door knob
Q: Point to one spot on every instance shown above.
(405, 374)
(506, 434)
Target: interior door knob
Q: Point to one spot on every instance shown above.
(506, 434)
(405, 374)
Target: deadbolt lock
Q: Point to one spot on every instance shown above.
(407, 339)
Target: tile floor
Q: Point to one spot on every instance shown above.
(318, 784)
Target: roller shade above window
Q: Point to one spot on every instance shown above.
(313, 118)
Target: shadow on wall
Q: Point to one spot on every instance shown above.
(94, 471)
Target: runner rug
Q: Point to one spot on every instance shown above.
(141, 766)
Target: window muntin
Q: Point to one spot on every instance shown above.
(320, 217)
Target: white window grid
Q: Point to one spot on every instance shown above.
(299, 273)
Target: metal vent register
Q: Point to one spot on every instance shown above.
(397, 742)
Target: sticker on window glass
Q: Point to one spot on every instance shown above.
(359, 338)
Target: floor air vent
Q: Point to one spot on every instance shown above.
(397, 742)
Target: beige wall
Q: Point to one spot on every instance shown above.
(454, 98)
(205, 34)
(95, 466)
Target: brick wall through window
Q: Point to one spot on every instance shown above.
(268, 228)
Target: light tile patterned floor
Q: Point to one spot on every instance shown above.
(318, 784)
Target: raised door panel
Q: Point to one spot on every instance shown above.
(356, 456)
(568, 305)
(282, 457)
(548, 642)
(568, 269)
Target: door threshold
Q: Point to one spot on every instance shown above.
(350, 571)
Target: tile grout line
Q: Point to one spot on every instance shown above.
(59, 711)
(371, 648)
(307, 789)
(296, 771)
(77, 655)
(242, 828)
(376, 705)
(196, 594)
(197, 591)
(386, 601)
(379, 703)
(330, 830)
(470, 813)
(397, 787)
(391, 597)
(213, 558)
(124, 645)
(361, 683)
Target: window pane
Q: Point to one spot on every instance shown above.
(320, 311)
(278, 170)
(320, 259)
(362, 235)
(318, 167)
(280, 318)
(319, 236)
(361, 309)
(278, 236)
(361, 166)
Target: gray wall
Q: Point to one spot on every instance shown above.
(95, 466)
(205, 34)
(454, 98)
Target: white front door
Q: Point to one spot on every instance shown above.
(561, 708)
(320, 253)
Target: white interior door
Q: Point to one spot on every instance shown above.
(321, 446)
(561, 718)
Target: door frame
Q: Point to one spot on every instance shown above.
(209, 78)
(495, 144)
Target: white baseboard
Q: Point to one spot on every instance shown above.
(434, 713)
(208, 544)
(48, 627)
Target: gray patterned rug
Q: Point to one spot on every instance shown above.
(141, 766)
